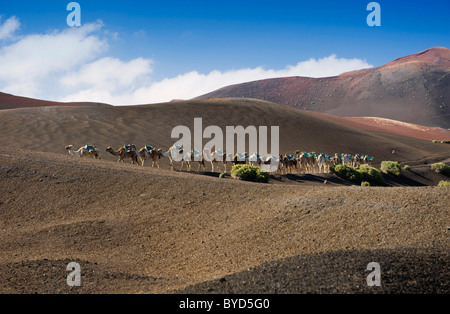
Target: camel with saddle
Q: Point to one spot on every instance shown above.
(289, 163)
(216, 157)
(323, 163)
(151, 153)
(88, 151)
(188, 158)
(307, 162)
(173, 151)
(240, 159)
(193, 157)
(125, 152)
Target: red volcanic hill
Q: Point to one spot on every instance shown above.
(8, 101)
(414, 89)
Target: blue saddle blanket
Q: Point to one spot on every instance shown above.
(129, 148)
(90, 148)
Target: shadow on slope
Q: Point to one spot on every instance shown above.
(405, 270)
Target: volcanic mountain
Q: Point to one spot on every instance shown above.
(414, 89)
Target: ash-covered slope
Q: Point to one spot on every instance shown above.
(8, 101)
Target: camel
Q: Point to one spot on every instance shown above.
(172, 151)
(321, 162)
(337, 159)
(290, 163)
(254, 159)
(357, 160)
(258, 161)
(240, 159)
(188, 159)
(307, 161)
(312, 162)
(283, 167)
(328, 163)
(302, 161)
(367, 160)
(346, 159)
(125, 152)
(191, 156)
(148, 152)
(267, 162)
(324, 163)
(88, 151)
(218, 156)
(280, 164)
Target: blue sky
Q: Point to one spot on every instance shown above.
(169, 39)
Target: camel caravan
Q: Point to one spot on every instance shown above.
(297, 163)
(304, 162)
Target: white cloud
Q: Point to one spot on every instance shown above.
(8, 28)
(325, 67)
(72, 65)
(110, 74)
(30, 65)
(194, 84)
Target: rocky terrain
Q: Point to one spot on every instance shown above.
(145, 230)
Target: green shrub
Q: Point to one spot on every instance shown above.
(444, 183)
(435, 141)
(249, 173)
(441, 168)
(407, 168)
(360, 174)
(391, 167)
(222, 175)
(347, 173)
(365, 183)
(370, 174)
